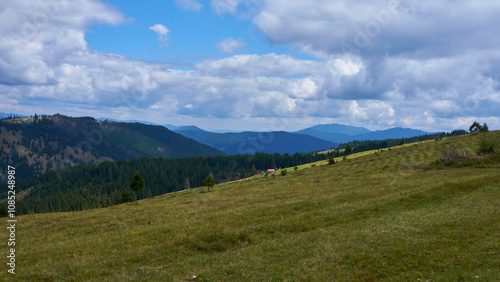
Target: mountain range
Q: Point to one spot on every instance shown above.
(134, 138)
(315, 138)
(249, 142)
(338, 133)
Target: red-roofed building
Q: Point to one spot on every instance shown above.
(271, 171)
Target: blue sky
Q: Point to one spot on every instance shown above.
(193, 35)
(255, 64)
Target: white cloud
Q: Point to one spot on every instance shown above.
(160, 29)
(162, 32)
(229, 45)
(268, 64)
(36, 37)
(415, 51)
(424, 69)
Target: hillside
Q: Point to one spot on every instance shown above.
(382, 215)
(101, 185)
(36, 145)
(250, 142)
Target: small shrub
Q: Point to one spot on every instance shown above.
(295, 168)
(344, 158)
(487, 144)
(331, 161)
(125, 197)
(313, 165)
(283, 172)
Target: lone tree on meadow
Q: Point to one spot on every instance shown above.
(137, 183)
(209, 181)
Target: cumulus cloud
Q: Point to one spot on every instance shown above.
(268, 64)
(159, 29)
(162, 32)
(229, 45)
(414, 52)
(36, 37)
(377, 63)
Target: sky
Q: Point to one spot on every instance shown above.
(255, 64)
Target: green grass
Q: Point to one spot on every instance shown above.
(371, 217)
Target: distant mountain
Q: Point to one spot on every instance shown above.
(251, 142)
(397, 132)
(338, 133)
(337, 128)
(189, 128)
(35, 146)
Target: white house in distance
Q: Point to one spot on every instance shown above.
(475, 130)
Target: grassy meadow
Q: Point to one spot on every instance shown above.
(378, 215)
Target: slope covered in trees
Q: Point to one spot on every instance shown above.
(35, 145)
(99, 185)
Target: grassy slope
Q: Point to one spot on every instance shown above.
(363, 219)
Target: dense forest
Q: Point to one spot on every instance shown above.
(102, 184)
(41, 143)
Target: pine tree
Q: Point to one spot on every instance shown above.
(209, 181)
(137, 183)
(484, 128)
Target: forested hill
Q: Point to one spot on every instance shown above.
(99, 185)
(35, 145)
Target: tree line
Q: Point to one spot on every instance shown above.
(104, 184)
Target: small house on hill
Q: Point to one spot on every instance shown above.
(475, 130)
(271, 171)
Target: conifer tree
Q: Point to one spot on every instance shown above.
(209, 181)
(484, 128)
(137, 183)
